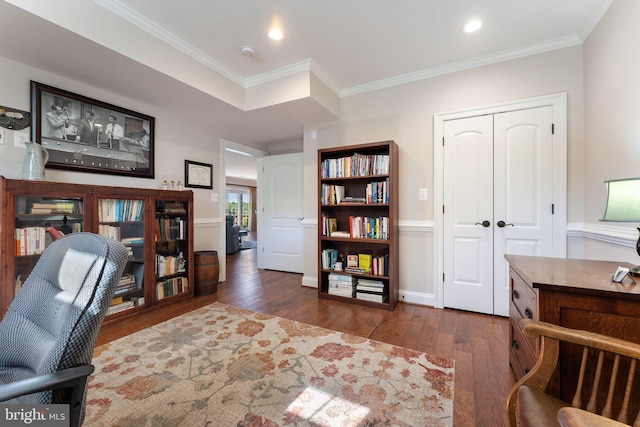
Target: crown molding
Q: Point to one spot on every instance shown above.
(464, 65)
(594, 17)
(155, 30)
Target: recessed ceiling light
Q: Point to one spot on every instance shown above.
(275, 34)
(472, 26)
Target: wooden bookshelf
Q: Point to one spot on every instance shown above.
(35, 212)
(357, 224)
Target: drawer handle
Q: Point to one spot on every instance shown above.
(526, 370)
(528, 313)
(515, 344)
(516, 294)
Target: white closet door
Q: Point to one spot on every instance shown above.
(468, 203)
(498, 195)
(523, 192)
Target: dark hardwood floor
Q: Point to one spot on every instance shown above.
(478, 343)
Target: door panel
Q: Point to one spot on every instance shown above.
(523, 190)
(468, 199)
(280, 246)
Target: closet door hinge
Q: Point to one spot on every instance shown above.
(553, 208)
(553, 128)
(443, 141)
(443, 277)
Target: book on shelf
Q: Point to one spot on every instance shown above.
(362, 227)
(364, 261)
(352, 261)
(170, 287)
(171, 208)
(375, 297)
(340, 284)
(116, 308)
(30, 240)
(339, 233)
(117, 210)
(332, 194)
(355, 165)
(329, 258)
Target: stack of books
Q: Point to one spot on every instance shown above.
(370, 290)
(341, 284)
(127, 283)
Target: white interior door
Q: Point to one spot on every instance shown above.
(280, 205)
(498, 199)
(523, 192)
(468, 215)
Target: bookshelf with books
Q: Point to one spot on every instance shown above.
(173, 249)
(34, 213)
(357, 224)
(124, 220)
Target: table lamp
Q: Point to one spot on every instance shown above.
(623, 205)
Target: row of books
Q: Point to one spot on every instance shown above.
(171, 228)
(377, 192)
(116, 210)
(126, 283)
(34, 240)
(119, 304)
(362, 227)
(171, 287)
(331, 194)
(355, 165)
(67, 207)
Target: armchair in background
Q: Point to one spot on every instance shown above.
(47, 336)
(233, 236)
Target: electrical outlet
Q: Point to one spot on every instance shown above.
(214, 197)
(19, 138)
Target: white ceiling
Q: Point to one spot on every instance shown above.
(352, 46)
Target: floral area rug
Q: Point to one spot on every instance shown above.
(224, 366)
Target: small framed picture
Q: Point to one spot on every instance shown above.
(198, 175)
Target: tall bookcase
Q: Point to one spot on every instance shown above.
(155, 225)
(357, 224)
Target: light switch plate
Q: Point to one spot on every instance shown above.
(423, 194)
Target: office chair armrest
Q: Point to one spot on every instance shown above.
(67, 378)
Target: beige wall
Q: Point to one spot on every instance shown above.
(173, 144)
(612, 130)
(405, 114)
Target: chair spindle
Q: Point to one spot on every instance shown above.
(606, 410)
(577, 398)
(593, 400)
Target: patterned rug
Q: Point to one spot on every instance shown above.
(224, 366)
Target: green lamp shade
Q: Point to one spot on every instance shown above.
(623, 200)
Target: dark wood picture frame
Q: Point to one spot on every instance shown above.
(198, 175)
(116, 141)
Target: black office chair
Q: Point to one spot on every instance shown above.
(48, 335)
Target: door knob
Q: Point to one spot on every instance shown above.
(503, 224)
(484, 223)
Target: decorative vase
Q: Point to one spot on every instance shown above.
(35, 157)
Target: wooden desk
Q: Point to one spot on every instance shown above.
(574, 293)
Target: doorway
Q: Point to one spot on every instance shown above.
(500, 186)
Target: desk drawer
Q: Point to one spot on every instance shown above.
(521, 356)
(523, 297)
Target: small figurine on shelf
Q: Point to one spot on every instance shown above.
(179, 185)
(165, 185)
(181, 262)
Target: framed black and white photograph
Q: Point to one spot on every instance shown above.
(198, 175)
(88, 135)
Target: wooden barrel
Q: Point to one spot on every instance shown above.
(207, 272)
